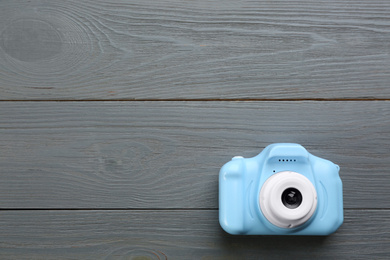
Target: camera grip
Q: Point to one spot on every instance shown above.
(231, 189)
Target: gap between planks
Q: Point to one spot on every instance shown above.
(153, 209)
(204, 100)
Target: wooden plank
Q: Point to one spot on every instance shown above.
(194, 49)
(168, 154)
(178, 235)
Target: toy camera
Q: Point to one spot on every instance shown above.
(284, 190)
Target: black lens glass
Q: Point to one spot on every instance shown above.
(291, 198)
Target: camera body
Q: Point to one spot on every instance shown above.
(284, 190)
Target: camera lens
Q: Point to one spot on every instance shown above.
(291, 198)
(288, 199)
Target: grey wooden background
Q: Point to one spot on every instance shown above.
(115, 117)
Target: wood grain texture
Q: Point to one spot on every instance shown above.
(168, 154)
(75, 50)
(178, 235)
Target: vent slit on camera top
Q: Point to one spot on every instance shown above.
(287, 160)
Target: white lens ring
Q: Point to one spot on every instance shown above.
(271, 203)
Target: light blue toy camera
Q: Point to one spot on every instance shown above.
(284, 190)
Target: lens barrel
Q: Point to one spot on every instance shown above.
(288, 199)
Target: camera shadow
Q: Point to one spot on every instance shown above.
(273, 247)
